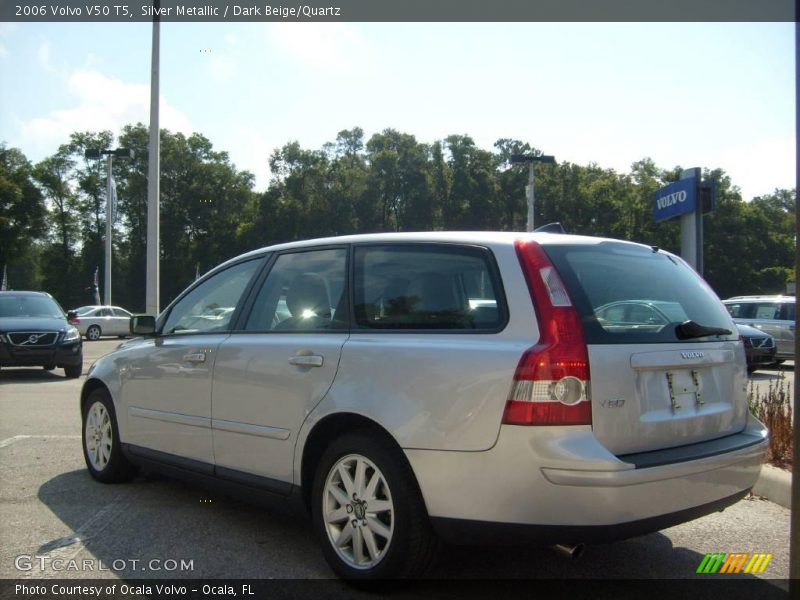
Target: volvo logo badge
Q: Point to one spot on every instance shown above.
(32, 339)
(690, 355)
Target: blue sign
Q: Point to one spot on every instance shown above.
(675, 199)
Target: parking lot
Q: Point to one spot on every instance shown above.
(52, 513)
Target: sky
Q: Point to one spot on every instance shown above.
(713, 95)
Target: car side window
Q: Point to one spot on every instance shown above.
(788, 311)
(304, 291)
(767, 310)
(426, 287)
(209, 307)
(740, 310)
(104, 312)
(118, 312)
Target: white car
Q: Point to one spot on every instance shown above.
(97, 321)
(408, 388)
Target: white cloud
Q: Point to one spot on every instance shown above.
(332, 46)
(251, 152)
(43, 54)
(223, 69)
(100, 102)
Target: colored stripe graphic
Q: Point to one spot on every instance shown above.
(711, 563)
(758, 564)
(720, 562)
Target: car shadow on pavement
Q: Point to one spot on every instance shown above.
(158, 518)
(162, 519)
(10, 375)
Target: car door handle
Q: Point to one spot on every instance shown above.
(306, 360)
(196, 357)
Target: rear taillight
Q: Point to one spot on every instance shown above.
(74, 321)
(551, 383)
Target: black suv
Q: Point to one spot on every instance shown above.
(34, 332)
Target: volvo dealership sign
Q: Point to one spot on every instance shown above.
(676, 199)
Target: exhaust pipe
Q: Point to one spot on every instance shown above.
(568, 551)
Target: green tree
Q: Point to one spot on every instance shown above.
(22, 219)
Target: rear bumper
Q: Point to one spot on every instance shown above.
(67, 355)
(560, 484)
(459, 531)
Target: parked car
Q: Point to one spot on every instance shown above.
(97, 321)
(34, 332)
(776, 315)
(759, 347)
(409, 388)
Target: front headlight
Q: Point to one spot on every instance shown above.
(72, 334)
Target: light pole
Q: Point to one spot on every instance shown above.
(531, 160)
(152, 302)
(109, 154)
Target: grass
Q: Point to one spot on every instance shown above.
(774, 409)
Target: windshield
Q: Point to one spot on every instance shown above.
(29, 306)
(630, 293)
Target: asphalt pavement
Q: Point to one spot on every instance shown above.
(52, 512)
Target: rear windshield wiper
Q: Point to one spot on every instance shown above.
(689, 329)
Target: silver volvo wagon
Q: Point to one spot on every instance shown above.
(408, 388)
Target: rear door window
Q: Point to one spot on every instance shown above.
(767, 310)
(427, 287)
(628, 293)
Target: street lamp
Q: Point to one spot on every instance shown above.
(531, 160)
(109, 154)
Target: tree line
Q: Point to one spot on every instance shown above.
(52, 213)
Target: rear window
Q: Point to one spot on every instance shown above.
(441, 287)
(632, 294)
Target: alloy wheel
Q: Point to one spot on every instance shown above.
(358, 511)
(99, 436)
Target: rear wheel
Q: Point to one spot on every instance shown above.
(93, 333)
(368, 512)
(101, 444)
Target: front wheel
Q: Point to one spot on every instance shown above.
(74, 371)
(368, 511)
(101, 444)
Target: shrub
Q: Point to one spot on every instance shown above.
(774, 409)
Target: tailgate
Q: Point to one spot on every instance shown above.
(656, 397)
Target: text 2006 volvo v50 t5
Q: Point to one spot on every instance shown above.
(407, 388)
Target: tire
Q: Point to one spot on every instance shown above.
(102, 450)
(93, 333)
(48, 367)
(73, 372)
(397, 540)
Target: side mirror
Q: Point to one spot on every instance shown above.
(143, 325)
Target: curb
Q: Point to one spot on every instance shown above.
(775, 485)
